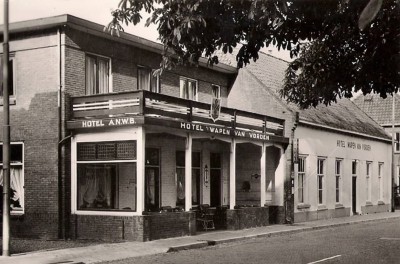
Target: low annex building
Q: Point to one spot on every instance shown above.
(341, 157)
(102, 148)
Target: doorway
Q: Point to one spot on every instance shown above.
(215, 179)
(152, 179)
(354, 195)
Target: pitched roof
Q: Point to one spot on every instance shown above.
(378, 108)
(343, 115)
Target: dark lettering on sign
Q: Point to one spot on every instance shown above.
(352, 145)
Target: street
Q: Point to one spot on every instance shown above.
(377, 242)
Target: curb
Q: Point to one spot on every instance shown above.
(203, 244)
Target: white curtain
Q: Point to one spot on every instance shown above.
(16, 183)
(103, 75)
(95, 187)
(90, 75)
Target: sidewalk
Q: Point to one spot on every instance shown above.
(116, 251)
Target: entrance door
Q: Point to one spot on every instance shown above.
(152, 179)
(215, 179)
(354, 195)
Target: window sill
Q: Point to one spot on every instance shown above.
(322, 208)
(339, 206)
(12, 101)
(368, 203)
(303, 206)
(381, 203)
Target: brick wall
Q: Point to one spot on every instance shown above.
(247, 217)
(34, 121)
(133, 228)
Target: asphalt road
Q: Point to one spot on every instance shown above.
(377, 242)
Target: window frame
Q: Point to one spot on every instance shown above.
(187, 80)
(338, 180)
(194, 168)
(97, 56)
(151, 78)
(114, 162)
(301, 174)
(320, 180)
(380, 181)
(368, 170)
(17, 211)
(397, 142)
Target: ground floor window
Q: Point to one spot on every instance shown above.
(16, 176)
(301, 177)
(180, 178)
(320, 178)
(338, 173)
(106, 176)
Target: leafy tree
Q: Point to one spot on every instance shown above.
(336, 50)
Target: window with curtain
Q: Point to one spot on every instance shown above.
(188, 89)
(338, 173)
(368, 181)
(106, 176)
(16, 176)
(147, 80)
(180, 178)
(97, 74)
(380, 181)
(216, 91)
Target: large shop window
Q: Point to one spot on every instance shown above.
(97, 74)
(16, 176)
(106, 176)
(147, 80)
(188, 89)
(180, 178)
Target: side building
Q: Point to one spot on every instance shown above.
(104, 148)
(341, 157)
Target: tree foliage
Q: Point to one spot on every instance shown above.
(336, 50)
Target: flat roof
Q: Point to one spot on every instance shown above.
(98, 30)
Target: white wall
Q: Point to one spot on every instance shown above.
(314, 143)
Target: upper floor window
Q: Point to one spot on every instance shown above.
(216, 91)
(97, 74)
(188, 88)
(147, 80)
(16, 176)
(11, 86)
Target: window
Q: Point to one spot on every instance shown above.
(16, 176)
(368, 181)
(188, 89)
(106, 175)
(147, 80)
(354, 168)
(320, 178)
(301, 177)
(338, 173)
(97, 75)
(396, 142)
(380, 181)
(216, 91)
(180, 178)
(11, 88)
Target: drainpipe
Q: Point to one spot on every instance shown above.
(61, 220)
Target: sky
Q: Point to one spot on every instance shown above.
(98, 11)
